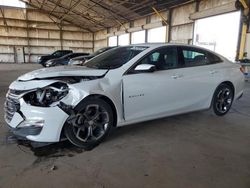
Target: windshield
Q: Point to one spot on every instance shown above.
(100, 51)
(79, 58)
(115, 58)
(56, 53)
(67, 56)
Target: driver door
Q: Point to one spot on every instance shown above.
(154, 93)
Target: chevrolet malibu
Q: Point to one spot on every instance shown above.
(122, 86)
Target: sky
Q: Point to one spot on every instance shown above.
(13, 3)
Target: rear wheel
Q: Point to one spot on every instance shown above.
(90, 125)
(223, 99)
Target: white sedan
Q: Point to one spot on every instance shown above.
(122, 86)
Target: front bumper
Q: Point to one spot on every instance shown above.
(23, 132)
(53, 119)
(40, 61)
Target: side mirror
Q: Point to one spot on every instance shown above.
(145, 68)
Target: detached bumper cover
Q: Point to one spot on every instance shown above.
(22, 133)
(53, 118)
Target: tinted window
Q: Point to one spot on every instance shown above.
(101, 51)
(57, 53)
(65, 52)
(71, 55)
(194, 58)
(197, 57)
(60, 53)
(67, 56)
(163, 59)
(115, 58)
(213, 58)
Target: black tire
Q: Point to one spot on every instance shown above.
(223, 99)
(104, 122)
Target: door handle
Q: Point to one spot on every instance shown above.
(177, 76)
(213, 72)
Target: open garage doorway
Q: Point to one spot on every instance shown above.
(219, 33)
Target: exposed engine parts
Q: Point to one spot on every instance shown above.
(46, 96)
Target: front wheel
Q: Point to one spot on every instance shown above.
(223, 99)
(90, 124)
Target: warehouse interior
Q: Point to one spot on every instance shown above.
(190, 150)
(45, 26)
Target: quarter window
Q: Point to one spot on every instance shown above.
(213, 58)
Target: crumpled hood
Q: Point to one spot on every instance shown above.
(62, 71)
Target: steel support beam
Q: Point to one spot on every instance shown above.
(93, 21)
(244, 29)
(69, 10)
(4, 20)
(28, 35)
(170, 12)
(61, 37)
(56, 16)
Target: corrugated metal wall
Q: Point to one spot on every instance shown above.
(30, 33)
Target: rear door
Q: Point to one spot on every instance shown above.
(202, 75)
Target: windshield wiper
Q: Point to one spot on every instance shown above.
(103, 66)
(92, 67)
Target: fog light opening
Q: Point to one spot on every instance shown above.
(31, 122)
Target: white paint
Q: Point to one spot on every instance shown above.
(146, 95)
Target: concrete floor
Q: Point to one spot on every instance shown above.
(193, 150)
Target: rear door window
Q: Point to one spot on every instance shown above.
(197, 57)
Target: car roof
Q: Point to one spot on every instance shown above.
(80, 57)
(156, 45)
(163, 44)
(63, 50)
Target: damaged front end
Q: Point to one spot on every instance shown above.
(47, 96)
(37, 109)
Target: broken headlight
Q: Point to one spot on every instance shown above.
(46, 96)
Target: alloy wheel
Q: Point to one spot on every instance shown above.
(91, 124)
(223, 99)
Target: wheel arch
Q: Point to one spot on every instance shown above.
(107, 100)
(99, 96)
(229, 83)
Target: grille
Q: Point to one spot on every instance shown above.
(11, 105)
